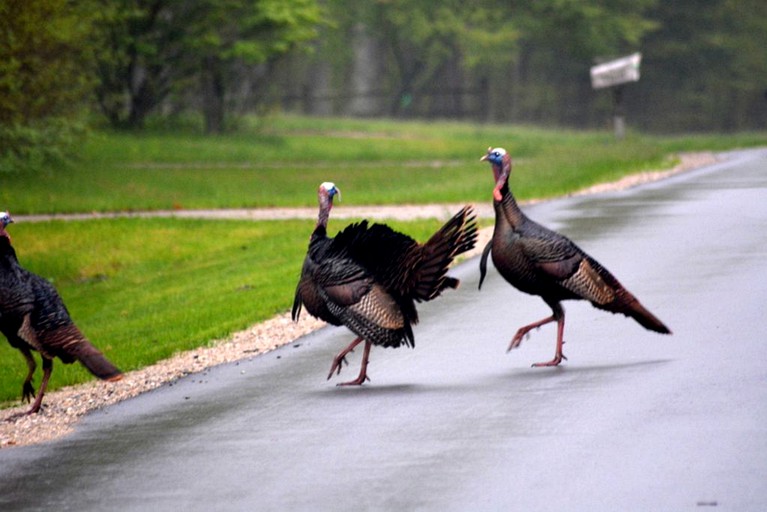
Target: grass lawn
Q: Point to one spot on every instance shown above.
(143, 289)
(280, 162)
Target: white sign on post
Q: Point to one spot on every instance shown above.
(616, 72)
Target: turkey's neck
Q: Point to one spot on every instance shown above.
(7, 253)
(508, 207)
(324, 215)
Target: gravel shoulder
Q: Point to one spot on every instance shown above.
(62, 409)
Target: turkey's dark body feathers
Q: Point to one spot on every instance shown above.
(369, 277)
(33, 317)
(307, 292)
(539, 261)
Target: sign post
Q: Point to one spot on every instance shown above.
(615, 74)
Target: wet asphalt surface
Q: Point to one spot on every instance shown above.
(633, 421)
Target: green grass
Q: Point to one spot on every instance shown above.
(280, 162)
(143, 289)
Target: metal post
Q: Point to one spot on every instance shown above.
(619, 120)
(614, 74)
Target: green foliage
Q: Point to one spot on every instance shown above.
(140, 56)
(150, 51)
(589, 29)
(42, 50)
(528, 62)
(43, 81)
(707, 62)
(37, 148)
(277, 162)
(253, 31)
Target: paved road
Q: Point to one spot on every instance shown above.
(633, 421)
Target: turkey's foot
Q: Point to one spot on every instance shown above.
(27, 392)
(558, 357)
(363, 376)
(516, 341)
(340, 359)
(23, 414)
(356, 382)
(338, 362)
(554, 362)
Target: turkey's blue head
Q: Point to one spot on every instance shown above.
(501, 162)
(325, 195)
(5, 219)
(328, 190)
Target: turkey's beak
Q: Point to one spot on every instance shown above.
(483, 159)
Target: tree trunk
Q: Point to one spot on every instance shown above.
(366, 75)
(142, 97)
(213, 94)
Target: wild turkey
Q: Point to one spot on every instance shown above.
(369, 276)
(33, 317)
(541, 262)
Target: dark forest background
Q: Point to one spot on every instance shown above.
(67, 64)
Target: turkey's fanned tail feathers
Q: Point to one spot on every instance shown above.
(456, 237)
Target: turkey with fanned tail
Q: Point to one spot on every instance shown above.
(539, 261)
(368, 277)
(33, 317)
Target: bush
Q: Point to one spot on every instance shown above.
(39, 147)
(46, 75)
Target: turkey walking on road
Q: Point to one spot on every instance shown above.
(369, 276)
(541, 262)
(33, 317)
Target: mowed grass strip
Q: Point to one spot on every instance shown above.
(274, 162)
(144, 289)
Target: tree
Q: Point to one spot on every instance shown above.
(44, 79)
(403, 49)
(706, 67)
(245, 31)
(516, 57)
(142, 55)
(548, 81)
(155, 47)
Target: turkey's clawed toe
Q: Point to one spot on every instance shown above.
(356, 382)
(27, 392)
(338, 363)
(554, 362)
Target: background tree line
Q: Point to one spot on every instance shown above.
(704, 62)
(62, 61)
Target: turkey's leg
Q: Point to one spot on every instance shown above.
(558, 355)
(47, 369)
(363, 376)
(517, 339)
(558, 315)
(27, 389)
(340, 359)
